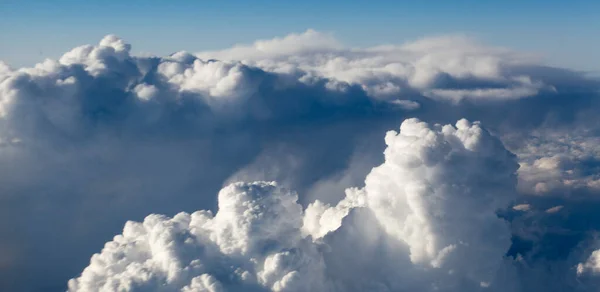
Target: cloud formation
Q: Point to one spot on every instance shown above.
(449, 67)
(252, 243)
(255, 239)
(101, 136)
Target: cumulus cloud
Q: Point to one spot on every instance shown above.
(214, 79)
(426, 195)
(101, 136)
(252, 242)
(255, 238)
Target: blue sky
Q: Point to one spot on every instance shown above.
(565, 32)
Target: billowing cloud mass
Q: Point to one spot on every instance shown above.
(252, 242)
(101, 136)
(445, 220)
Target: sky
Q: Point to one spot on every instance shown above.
(563, 32)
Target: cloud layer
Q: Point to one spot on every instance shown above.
(101, 136)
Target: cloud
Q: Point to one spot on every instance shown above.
(418, 224)
(592, 265)
(406, 104)
(256, 236)
(454, 67)
(522, 207)
(100, 136)
(310, 41)
(560, 162)
(554, 209)
(102, 132)
(252, 242)
(425, 196)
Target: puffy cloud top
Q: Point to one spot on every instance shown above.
(438, 191)
(253, 241)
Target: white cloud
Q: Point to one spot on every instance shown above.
(100, 131)
(252, 241)
(453, 67)
(97, 58)
(145, 91)
(214, 79)
(522, 207)
(504, 93)
(406, 104)
(554, 209)
(592, 265)
(310, 41)
(425, 195)
(447, 220)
